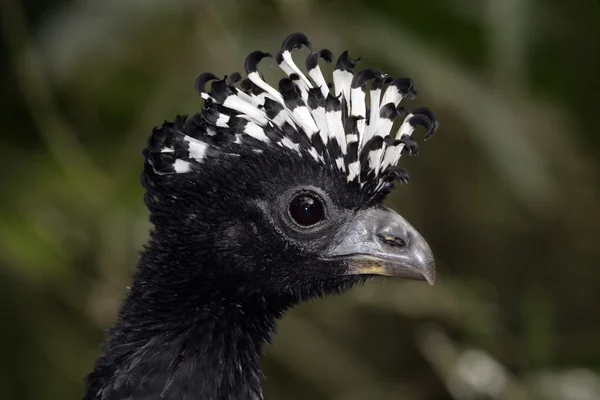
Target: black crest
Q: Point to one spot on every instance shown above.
(347, 126)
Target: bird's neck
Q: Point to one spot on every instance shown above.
(185, 341)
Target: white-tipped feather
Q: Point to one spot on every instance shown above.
(382, 127)
(303, 118)
(287, 59)
(327, 124)
(375, 96)
(313, 152)
(286, 142)
(259, 99)
(391, 95)
(342, 80)
(280, 118)
(341, 164)
(254, 100)
(359, 109)
(196, 148)
(256, 132)
(257, 80)
(321, 121)
(393, 153)
(406, 128)
(375, 160)
(222, 121)
(181, 166)
(237, 104)
(285, 67)
(336, 128)
(319, 79)
(353, 170)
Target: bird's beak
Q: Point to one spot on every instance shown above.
(380, 242)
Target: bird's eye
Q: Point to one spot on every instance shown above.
(306, 209)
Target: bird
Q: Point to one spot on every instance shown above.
(265, 198)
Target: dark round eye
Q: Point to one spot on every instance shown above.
(306, 209)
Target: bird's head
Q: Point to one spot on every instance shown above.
(278, 192)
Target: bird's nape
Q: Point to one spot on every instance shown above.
(265, 198)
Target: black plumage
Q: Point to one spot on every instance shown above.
(256, 206)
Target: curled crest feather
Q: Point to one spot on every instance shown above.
(355, 126)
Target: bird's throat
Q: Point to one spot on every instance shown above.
(203, 347)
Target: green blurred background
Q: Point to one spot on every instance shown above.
(507, 193)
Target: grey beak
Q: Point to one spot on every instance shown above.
(380, 242)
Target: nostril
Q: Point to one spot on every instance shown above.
(390, 240)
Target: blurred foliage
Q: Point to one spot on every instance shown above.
(506, 193)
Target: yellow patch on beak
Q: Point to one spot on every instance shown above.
(372, 269)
